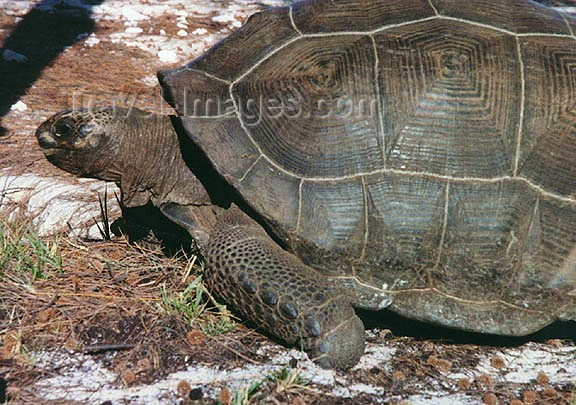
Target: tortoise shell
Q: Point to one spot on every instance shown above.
(419, 152)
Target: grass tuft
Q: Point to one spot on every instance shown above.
(245, 394)
(274, 385)
(192, 306)
(104, 228)
(22, 251)
(287, 380)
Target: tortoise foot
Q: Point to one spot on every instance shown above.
(277, 292)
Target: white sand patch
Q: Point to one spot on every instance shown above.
(132, 13)
(199, 31)
(442, 399)
(19, 106)
(352, 390)
(522, 365)
(16, 8)
(179, 49)
(133, 30)
(81, 379)
(375, 355)
(56, 206)
(91, 40)
(167, 56)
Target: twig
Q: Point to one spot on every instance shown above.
(106, 348)
(49, 304)
(236, 352)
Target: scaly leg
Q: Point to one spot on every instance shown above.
(275, 290)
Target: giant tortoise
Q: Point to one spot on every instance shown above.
(415, 155)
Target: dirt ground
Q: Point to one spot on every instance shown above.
(99, 330)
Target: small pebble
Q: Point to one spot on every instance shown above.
(484, 381)
(542, 378)
(497, 362)
(133, 30)
(91, 40)
(398, 376)
(225, 396)
(464, 384)
(128, 376)
(196, 394)
(530, 397)
(555, 342)
(196, 337)
(490, 399)
(549, 393)
(19, 106)
(133, 15)
(183, 388)
(168, 56)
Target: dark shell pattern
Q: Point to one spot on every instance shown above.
(420, 152)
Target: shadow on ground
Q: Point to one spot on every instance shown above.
(138, 224)
(42, 34)
(401, 326)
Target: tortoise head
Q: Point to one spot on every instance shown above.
(81, 142)
(139, 151)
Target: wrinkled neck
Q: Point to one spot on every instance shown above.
(149, 144)
(152, 167)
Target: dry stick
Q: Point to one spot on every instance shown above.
(106, 348)
(49, 304)
(237, 353)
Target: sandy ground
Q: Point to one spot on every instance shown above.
(56, 53)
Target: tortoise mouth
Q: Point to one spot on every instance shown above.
(51, 145)
(46, 140)
(53, 152)
(56, 154)
(65, 159)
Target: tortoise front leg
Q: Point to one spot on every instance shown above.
(275, 290)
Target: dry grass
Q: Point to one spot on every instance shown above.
(100, 297)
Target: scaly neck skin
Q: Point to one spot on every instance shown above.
(149, 165)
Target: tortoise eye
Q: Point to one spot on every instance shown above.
(63, 129)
